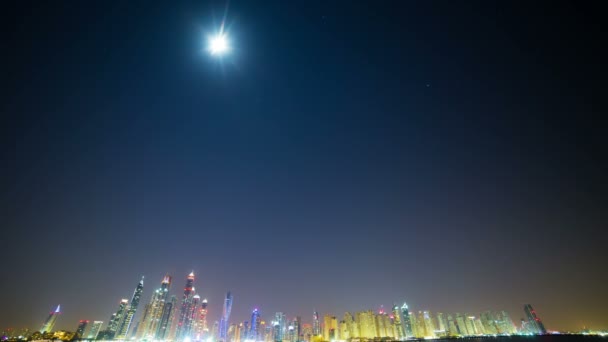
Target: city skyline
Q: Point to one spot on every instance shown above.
(399, 324)
(305, 155)
(144, 329)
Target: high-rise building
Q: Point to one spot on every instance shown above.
(150, 322)
(367, 324)
(452, 328)
(489, 322)
(279, 326)
(254, 328)
(461, 325)
(414, 326)
(505, 323)
(125, 324)
(534, 322)
(225, 320)
(201, 327)
(95, 328)
(316, 324)
(185, 310)
(166, 318)
(442, 325)
(351, 325)
(470, 323)
(82, 325)
(428, 324)
(307, 333)
(50, 321)
(192, 314)
(398, 323)
(407, 324)
(117, 317)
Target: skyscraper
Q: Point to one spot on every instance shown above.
(407, 324)
(82, 325)
(254, 329)
(316, 324)
(125, 325)
(224, 321)
(166, 318)
(152, 315)
(50, 321)
(201, 327)
(95, 328)
(429, 327)
(398, 322)
(183, 322)
(534, 322)
(117, 317)
(279, 326)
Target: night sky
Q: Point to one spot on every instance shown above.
(344, 155)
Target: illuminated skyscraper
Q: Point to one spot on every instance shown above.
(414, 326)
(150, 322)
(469, 321)
(489, 323)
(297, 326)
(452, 328)
(307, 333)
(428, 324)
(398, 322)
(117, 317)
(225, 320)
(316, 324)
(82, 325)
(95, 328)
(479, 329)
(50, 321)
(351, 325)
(504, 323)
(185, 311)
(166, 318)
(407, 324)
(254, 328)
(125, 324)
(201, 328)
(442, 325)
(192, 314)
(534, 322)
(367, 324)
(279, 326)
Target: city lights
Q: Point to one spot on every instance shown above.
(165, 318)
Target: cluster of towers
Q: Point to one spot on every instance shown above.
(164, 319)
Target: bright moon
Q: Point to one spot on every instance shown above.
(218, 45)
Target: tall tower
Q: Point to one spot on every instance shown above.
(166, 318)
(398, 322)
(152, 315)
(406, 322)
(316, 324)
(125, 325)
(117, 317)
(50, 320)
(224, 321)
(95, 328)
(82, 325)
(201, 326)
(534, 321)
(279, 326)
(184, 319)
(254, 329)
